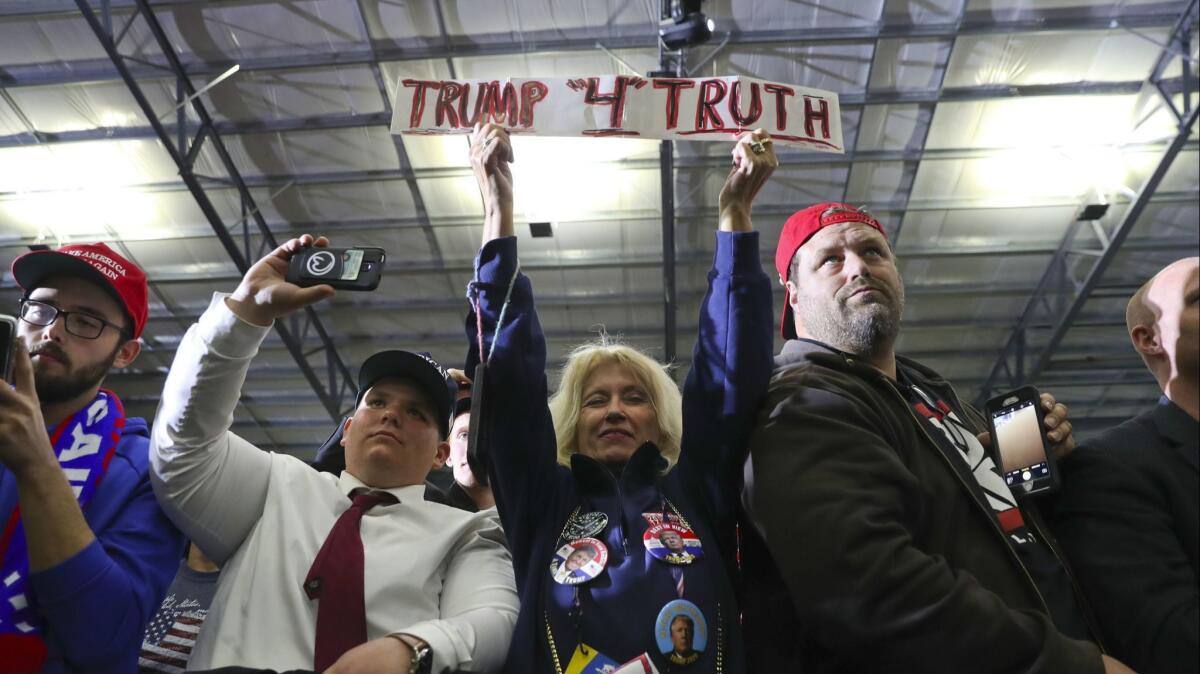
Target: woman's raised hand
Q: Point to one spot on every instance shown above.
(491, 153)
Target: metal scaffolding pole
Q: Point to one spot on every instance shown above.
(1058, 295)
(304, 334)
(668, 64)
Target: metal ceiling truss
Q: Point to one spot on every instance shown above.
(787, 160)
(944, 65)
(447, 47)
(1077, 266)
(303, 333)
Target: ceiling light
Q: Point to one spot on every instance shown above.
(597, 181)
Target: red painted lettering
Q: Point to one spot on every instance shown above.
(712, 92)
(501, 103)
(418, 103)
(674, 88)
(780, 92)
(480, 94)
(616, 99)
(444, 112)
(821, 114)
(735, 104)
(531, 93)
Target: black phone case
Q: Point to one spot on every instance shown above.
(478, 458)
(997, 403)
(8, 344)
(299, 274)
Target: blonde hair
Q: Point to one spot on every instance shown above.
(586, 359)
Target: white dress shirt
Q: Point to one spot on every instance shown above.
(437, 573)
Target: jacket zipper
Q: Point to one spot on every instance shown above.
(616, 482)
(990, 516)
(1080, 599)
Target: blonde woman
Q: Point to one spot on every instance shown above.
(619, 462)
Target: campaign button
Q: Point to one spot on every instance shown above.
(681, 632)
(578, 561)
(583, 525)
(672, 543)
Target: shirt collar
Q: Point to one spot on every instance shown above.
(1174, 423)
(413, 493)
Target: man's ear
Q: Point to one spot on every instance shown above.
(1145, 340)
(443, 453)
(127, 352)
(792, 291)
(345, 429)
(794, 304)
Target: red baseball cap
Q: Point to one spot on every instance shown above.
(798, 230)
(95, 262)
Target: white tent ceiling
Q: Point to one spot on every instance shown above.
(974, 129)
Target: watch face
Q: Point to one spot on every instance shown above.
(422, 655)
(424, 660)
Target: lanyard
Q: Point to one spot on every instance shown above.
(473, 297)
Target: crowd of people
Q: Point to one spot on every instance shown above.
(833, 508)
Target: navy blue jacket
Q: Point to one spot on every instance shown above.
(97, 603)
(535, 495)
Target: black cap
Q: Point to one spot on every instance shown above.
(422, 369)
(461, 406)
(331, 456)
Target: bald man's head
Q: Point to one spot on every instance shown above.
(1162, 319)
(1136, 312)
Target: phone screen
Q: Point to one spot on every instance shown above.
(351, 264)
(1019, 438)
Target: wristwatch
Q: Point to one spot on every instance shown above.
(422, 655)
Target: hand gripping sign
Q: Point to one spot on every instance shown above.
(703, 108)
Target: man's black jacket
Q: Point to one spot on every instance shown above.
(890, 558)
(1129, 520)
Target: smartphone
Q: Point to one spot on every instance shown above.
(1019, 439)
(8, 344)
(342, 268)
(478, 457)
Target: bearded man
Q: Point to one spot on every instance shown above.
(897, 546)
(85, 552)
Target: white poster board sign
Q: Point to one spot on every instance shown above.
(699, 108)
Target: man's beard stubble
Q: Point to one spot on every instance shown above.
(58, 388)
(865, 330)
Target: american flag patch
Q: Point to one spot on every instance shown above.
(169, 640)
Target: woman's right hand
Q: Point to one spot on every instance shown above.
(754, 161)
(491, 153)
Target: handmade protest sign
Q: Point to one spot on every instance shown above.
(698, 108)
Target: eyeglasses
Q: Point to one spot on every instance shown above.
(83, 325)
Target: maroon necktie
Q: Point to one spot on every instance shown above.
(336, 576)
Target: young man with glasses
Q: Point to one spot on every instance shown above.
(85, 552)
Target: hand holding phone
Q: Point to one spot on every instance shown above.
(264, 293)
(341, 268)
(1019, 438)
